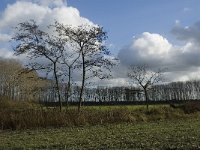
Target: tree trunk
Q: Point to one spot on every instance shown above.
(57, 87)
(146, 99)
(69, 85)
(83, 83)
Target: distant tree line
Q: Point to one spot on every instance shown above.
(18, 84)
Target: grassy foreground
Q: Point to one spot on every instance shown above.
(177, 134)
(27, 125)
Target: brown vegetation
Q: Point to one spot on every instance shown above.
(190, 107)
(26, 115)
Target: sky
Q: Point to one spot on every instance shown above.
(123, 19)
(160, 33)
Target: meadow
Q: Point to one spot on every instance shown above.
(176, 134)
(28, 125)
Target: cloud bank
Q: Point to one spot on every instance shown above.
(182, 61)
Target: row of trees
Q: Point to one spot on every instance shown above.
(18, 84)
(189, 90)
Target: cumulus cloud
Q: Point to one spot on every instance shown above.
(44, 12)
(155, 42)
(148, 47)
(182, 61)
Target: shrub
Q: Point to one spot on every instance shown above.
(191, 107)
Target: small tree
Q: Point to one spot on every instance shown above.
(145, 78)
(68, 60)
(88, 42)
(39, 45)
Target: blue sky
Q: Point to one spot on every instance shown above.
(160, 33)
(123, 19)
(126, 18)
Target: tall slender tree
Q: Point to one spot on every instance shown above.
(69, 60)
(39, 45)
(88, 41)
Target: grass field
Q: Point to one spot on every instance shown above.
(177, 134)
(27, 125)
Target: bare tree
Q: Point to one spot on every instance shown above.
(88, 41)
(145, 78)
(69, 59)
(36, 43)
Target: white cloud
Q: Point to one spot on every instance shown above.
(185, 75)
(183, 61)
(115, 82)
(148, 47)
(152, 45)
(39, 10)
(20, 12)
(43, 14)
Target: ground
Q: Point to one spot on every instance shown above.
(166, 134)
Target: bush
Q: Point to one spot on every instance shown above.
(191, 107)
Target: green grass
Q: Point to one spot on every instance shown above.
(177, 134)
